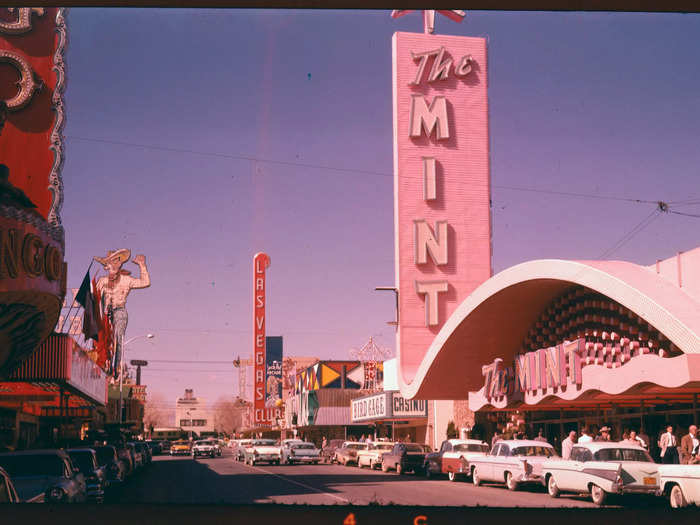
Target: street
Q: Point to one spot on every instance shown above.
(181, 480)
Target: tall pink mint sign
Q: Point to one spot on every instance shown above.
(441, 183)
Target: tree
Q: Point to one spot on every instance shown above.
(155, 412)
(228, 416)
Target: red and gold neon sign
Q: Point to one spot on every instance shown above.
(260, 263)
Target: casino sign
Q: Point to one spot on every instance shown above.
(32, 267)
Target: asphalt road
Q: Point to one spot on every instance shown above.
(223, 480)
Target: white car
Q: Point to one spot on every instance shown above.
(263, 450)
(300, 452)
(372, 456)
(681, 484)
(453, 458)
(512, 461)
(204, 447)
(602, 468)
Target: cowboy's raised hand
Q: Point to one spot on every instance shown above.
(139, 259)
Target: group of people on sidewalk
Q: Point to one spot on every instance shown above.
(669, 449)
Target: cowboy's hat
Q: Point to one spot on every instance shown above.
(118, 256)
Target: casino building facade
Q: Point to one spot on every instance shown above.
(572, 343)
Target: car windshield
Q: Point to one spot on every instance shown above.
(533, 451)
(356, 446)
(415, 448)
(104, 455)
(471, 447)
(82, 460)
(36, 465)
(265, 443)
(202, 443)
(383, 446)
(305, 446)
(623, 454)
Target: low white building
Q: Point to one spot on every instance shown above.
(192, 415)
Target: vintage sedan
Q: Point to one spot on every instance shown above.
(513, 462)
(300, 452)
(239, 449)
(136, 456)
(262, 450)
(114, 467)
(328, 452)
(145, 450)
(372, 456)
(203, 447)
(602, 468)
(44, 476)
(8, 494)
(453, 458)
(95, 475)
(180, 448)
(405, 457)
(680, 484)
(347, 454)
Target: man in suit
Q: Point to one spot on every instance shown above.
(689, 445)
(668, 446)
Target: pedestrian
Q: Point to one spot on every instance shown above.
(689, 445)
(636, 440)
(567, 445)
(585, 438)
(668, 446)
(540, 436)
(496, 436)
(644, 439)
(324, 442)
(604, 434)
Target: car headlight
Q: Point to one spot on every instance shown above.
(56, 494)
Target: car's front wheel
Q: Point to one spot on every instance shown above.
(510, 482)
(385, 467)
(427, 472)
(452, 476)
(476, 480)
(399, 469)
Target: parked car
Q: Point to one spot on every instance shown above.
(239, 450)
(328, 452)
(8, 494)
(95, 475)
(204, 447)
(114, 467)
(165, 446)
(136, 456)
(405, 457)
(680, 484)
(372, 456)
(46, 475)
(145, 450)
(347, 454)
(602, 468)
(453, 458)
(513, 462)
(180, 448)
(299, 452)
(126, 458)
(262, 450)
(155, 446)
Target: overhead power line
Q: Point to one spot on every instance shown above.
(630, 234)
(252, 158)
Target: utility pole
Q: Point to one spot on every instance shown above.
(138, 364)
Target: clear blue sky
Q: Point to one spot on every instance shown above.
(164, 107)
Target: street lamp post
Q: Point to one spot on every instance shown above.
(121, 375)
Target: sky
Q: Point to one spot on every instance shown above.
(200, 137)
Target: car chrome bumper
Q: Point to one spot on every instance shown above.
(305, 458)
